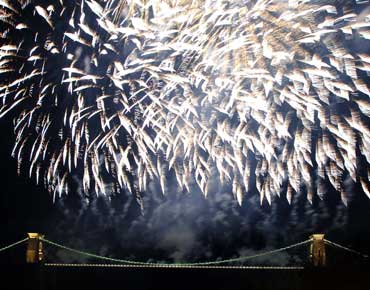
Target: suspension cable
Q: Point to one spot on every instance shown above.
(344, 248)
(174, 264)
(13, 245)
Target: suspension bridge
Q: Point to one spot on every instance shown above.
(317, 256)
(39, 272)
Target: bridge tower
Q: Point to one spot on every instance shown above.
(35, 252)
(317, 250)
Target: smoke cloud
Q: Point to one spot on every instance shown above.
(187, 227)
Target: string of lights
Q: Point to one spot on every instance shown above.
(174, 266)
(13, 245)
(345, 248)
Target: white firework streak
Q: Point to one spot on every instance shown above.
(124, 92)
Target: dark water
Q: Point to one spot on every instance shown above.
(33, 277)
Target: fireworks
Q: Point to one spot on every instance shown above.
(267, 95)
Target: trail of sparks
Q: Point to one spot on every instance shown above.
(268, 94)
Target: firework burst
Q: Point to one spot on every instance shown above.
(270, 95)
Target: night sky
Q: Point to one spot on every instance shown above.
(175, 227)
